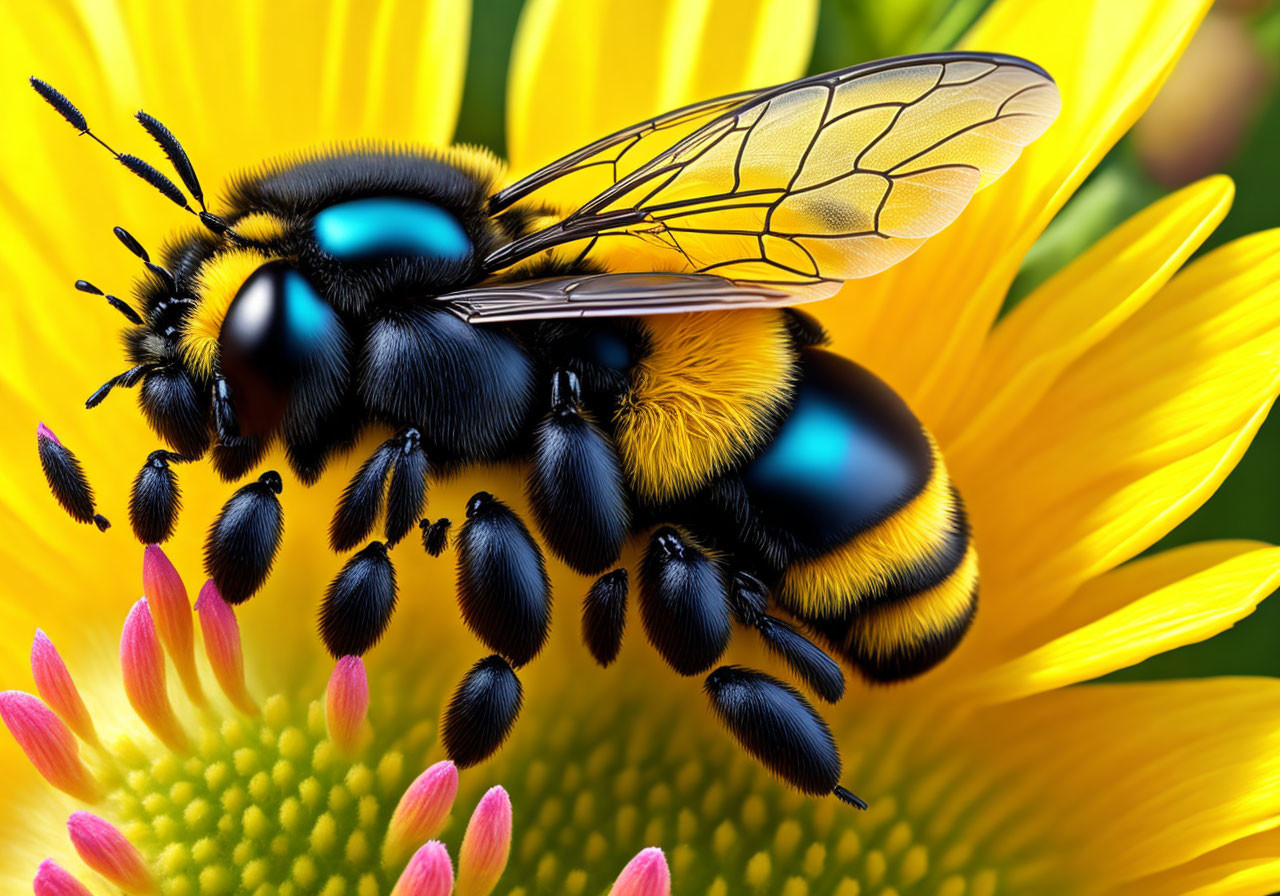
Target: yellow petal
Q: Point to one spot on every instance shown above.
(582, 69)
(1132, 437)
(1075, 309)
(1148, 618)
(921, 324)
(1148, 776)
(235, 81)
(1244, 867)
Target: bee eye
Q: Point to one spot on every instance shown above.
(277, 330)
(369, 229)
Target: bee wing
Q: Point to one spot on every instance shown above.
(602, 164)
(609, 295)
(826, 179)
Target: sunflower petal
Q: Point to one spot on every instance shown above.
(1108, 59)
(1243, 867)
(1077, 308)
(1133, 437)
(581, 70)
(1147, 776)
(1148, 618)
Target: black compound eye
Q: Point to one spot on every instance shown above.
(277, 331)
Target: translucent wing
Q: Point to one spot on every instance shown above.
(826, 179)
(599, 166)
(609, 295)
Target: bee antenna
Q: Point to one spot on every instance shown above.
(135, 247)
(119, 304)
(177, 155)
(149, 173)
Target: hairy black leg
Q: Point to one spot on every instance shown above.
(779, 727)
(224, 412)
(234, 458)
(503, 589)
(407, 492)
(177, 409)
(362, 500)
(749, 599)
(66, 479)
(604, 616)
(358, 604)
(683, 603)
(482, 711)
(576, 486)
(126, 380)
(435, 536)
(155, 499)
(243, 540)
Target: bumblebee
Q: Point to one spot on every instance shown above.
(636, 350)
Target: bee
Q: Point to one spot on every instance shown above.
(636, 349)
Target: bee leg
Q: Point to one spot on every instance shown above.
(66, 479)
(749, 599)
(775, 723)
(235, 453)
(604, 616)
(243, 540)
(224, 413)
(482, 712)
(504, 592)
(407, 493)
(234, 458)
(361, 501)
(684, 604)
(435, 536)
(155, 499)
(576, 487)
(358, 604)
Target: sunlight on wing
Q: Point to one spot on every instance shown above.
(827, 179)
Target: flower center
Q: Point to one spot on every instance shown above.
(283, 798)
(266, 801)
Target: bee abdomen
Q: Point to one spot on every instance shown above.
(877, 552)
(896, 599)
(893, 641)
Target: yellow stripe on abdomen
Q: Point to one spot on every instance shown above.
(906, 637)
(878, 560)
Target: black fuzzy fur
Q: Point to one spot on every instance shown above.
(683, 604)
(435, 536)
(820, 672)
(604, 616)
(407, 491)
(482, 712)
(361, 501)
(67, 481)
(503, 589)
(358, 604)
(468, 388)
(243, 540)
(777, 725)
(155, 499)
(577, 491)
(177, 409)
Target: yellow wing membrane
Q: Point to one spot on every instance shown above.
(826, 179)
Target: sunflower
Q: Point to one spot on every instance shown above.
(1081, 427)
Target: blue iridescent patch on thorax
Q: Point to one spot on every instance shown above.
(369, 229)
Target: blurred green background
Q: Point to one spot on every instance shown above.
(1220, 111)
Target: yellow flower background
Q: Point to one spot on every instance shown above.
(1082, 427)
